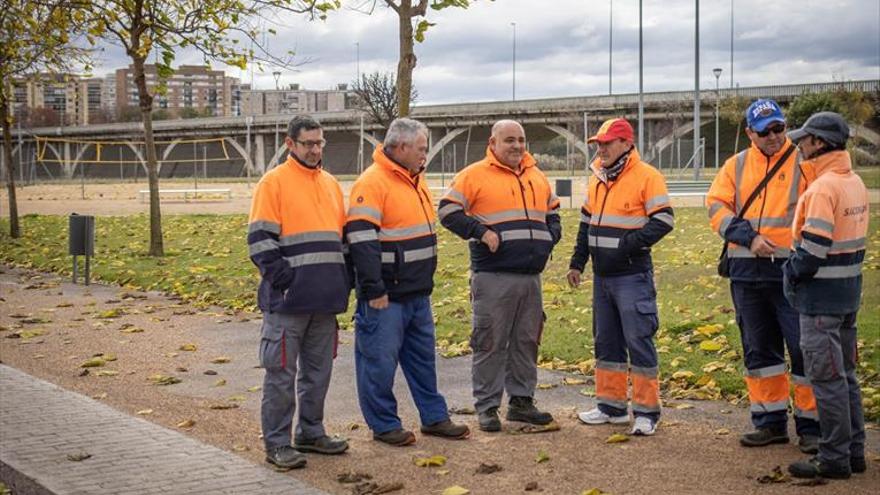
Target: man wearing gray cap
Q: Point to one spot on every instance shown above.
(823, 282)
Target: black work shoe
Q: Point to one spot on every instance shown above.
(814, 467)
(489, 420)
(447, 429)
(809, 444)
(857, 464)
(523, 409)
(397, 438)
(762, 437)
(321, 445)
(286, 457)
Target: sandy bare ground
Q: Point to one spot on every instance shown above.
(122, 198)
(59, 326)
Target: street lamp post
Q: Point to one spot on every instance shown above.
(697, 143)
(610, 41)
(641, 88)
(514, 60)
(277, 76)
(717, 72)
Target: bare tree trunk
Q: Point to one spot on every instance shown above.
(6, 119)
(146, 107)
(407, 61)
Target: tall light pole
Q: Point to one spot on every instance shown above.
(717, 72)
(731, 43)
(641, 87)
(277, 75)
(357, 63)
(514, 60)
(697, 163)
(610, 41)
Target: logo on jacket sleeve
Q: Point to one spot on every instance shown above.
(360, 199)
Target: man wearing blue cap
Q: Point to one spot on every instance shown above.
(751, 206)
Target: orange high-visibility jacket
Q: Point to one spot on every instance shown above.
(519, 206)
(824, 275)
(622, 219)
(770, 215)
(295, 239)
(390, 232)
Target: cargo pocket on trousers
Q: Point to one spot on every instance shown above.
(481, 335)
(820, 360)
(272, 351)
(366, 322)
(647, 310)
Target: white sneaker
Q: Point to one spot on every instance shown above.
(643, 427)
(596, 417)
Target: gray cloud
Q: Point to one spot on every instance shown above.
(562, 46)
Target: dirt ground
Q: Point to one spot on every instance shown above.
(122, 198)
(50, 327)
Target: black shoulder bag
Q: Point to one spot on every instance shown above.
(723, 260)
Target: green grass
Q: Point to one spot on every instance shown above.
(206, 263)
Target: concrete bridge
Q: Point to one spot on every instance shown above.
(459, 133)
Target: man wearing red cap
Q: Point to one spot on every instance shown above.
(626, 211)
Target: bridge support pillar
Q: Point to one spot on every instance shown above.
(260, 152)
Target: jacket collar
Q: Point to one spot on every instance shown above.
(294, 163)
(599, 170)
(528, 161)
(834, 161)
(778, 154)
(385, 162)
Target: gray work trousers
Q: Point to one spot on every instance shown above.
(297, 354)
(829, 346)
(507, 325)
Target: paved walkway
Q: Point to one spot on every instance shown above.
(43, 429)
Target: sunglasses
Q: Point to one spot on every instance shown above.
(777, 129)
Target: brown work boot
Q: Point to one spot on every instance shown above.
(397, 438)
(523, 409)
(447, 429)
(763, 436)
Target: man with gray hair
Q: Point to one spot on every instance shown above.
(393, 246)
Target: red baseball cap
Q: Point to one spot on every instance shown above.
(613, 129)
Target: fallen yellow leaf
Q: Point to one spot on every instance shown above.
(188, 347)
(434, 460)
(456, 490)
(617, 438)
(187, 423)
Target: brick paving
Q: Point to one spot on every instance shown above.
(41, 425)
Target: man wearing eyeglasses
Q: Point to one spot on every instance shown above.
(295, 239)
(758, 244)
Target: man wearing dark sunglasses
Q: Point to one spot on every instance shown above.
(751, 206)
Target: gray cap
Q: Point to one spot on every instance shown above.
(828, 126)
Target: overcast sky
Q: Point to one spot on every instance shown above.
(562, 46)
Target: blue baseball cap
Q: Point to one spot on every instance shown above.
(762, 113)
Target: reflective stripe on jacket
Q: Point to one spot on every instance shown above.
(622, 219)
(295, 239)
(824, 275)
(770, 214)
(390, 232)
(519, 207)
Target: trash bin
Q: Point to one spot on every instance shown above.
(81, 241)
(82, 235)
(563, 187)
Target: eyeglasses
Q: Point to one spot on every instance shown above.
(777, 129)
(311, 144)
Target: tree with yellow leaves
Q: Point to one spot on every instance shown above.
(218, 29)
(36, 37)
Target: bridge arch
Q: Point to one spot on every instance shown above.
(572, 138)
(241, 151)
(439, 145)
